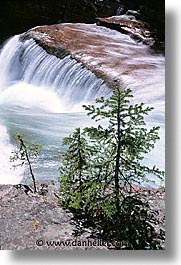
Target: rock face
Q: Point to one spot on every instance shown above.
(18, 16)
(36, 221)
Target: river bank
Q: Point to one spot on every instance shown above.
(36, 221)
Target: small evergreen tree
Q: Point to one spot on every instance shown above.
(81, 173)
(24, 154)
(124, 141)
(74, 170)
(100, 174)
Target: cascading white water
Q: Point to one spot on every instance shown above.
(29, 63)
(33, 80)
(41, 97)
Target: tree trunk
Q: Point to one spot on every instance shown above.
(117, 166)
(80, 167)
(31, 171)
(29, 164)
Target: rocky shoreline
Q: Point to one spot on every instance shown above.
(36, 221)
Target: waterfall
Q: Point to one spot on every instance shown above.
(34, 81)
(28, 63)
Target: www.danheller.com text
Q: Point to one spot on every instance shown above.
(82, 243)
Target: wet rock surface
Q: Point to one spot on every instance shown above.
(34, 221)
(107, 53)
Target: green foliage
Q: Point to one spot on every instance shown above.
(126, 130)
(74, 169)
(104, 163)
(23, 155)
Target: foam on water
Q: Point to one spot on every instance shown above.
(34, 98)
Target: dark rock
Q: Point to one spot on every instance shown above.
(107, 7)
(18, 16)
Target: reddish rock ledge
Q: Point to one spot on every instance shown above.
(107, 53)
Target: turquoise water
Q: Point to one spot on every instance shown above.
(46, 129)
